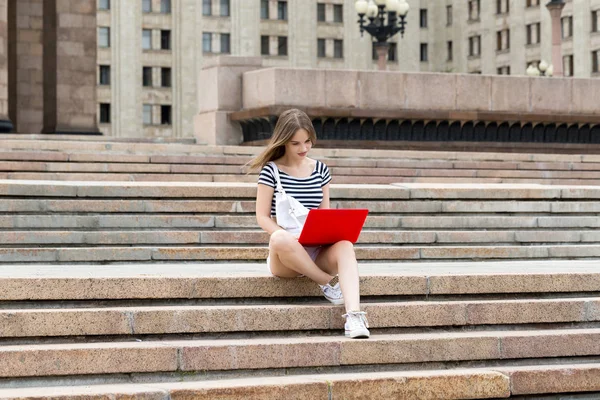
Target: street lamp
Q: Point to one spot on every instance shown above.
(375, 11)
(542, 69)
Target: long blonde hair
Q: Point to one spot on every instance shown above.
(288, 124)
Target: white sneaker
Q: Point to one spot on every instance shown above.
(333, 293)
(356, 324)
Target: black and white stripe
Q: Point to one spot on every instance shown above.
(308, 191)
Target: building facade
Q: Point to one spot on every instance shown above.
(150, 51)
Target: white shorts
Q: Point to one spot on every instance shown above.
(313, 252)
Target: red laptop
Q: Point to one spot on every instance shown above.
(327, 226)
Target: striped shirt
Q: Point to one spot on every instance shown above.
(308, 191)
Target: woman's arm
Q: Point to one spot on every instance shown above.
(264, 196)
(325, 202)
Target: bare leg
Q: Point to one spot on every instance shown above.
(340, 258)
(288, 259)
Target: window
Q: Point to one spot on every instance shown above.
(103, 4)
(321, 12)
(502, 6)
(449, 50)
(206, 42)
(165, 6)
(338, 48)
(104, 75)
(338, 13)
(595, 61)
(475, 46)
(568, 65)
(147, 6)
(207, 7)
(321, 48)
(224, 11)
(533, 3)
(165, 40)
(595, 21)
(449, 18)
(147, 39)
(566, 27)
(533, 33)
(282, 13)
(264, 9)
(104, 36)
(504, 70)
(146, 76)
(282, 49)
(503, 40)
(424, 55)
(393, 52)
(423, 18)
(474, 7)
(104, 113)
(165, 115)
(147, 114)
(225, 43)
(264, 45)
(165, 77)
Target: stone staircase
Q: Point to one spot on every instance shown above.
(100, 222)
(182, 331)
(101, 160)
(157, 289)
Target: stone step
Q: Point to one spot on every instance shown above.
(476, 171)
(256, 253)
(171, 221)
(456, 383)
(252, 280)
(242, 237)
(423, 385)
(291, 352)
(404, 191)
(225, 205)
(185, 319)
(445, 161)
(345, 180)
(91, 146)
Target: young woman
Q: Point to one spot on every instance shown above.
(306, 180)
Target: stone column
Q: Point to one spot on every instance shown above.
(245, 28)
(5, 124)
(555, 7)
(357, 49)
(126, 108)
(302, 36)
(186, 35)
(70, 67)
(26, 65)
(220, 92)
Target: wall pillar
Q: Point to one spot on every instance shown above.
(5, 123)
(70, 67)
(219, 93)
(555, 7)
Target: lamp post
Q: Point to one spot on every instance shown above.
(378, 27)
(542, 69)
(555, 7)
